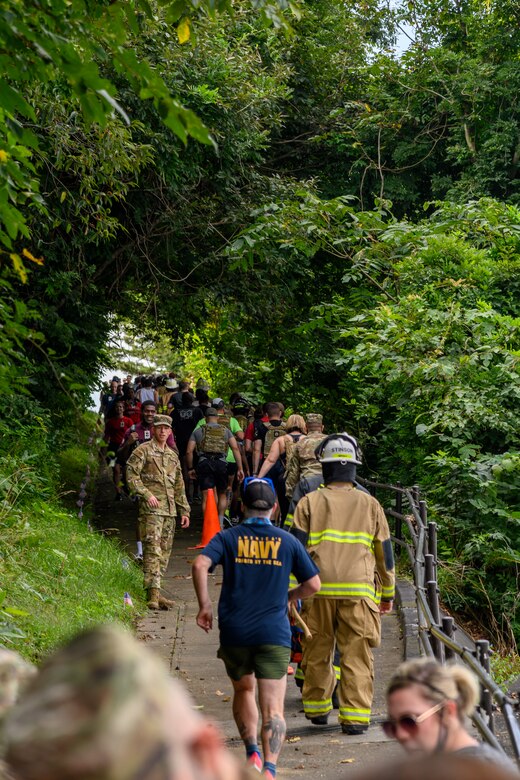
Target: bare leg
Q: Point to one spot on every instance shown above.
(222, 503)
(271, 695)
(245, 710)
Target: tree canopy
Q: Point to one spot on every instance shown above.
(297, 206)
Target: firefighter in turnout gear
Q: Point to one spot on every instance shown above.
(347, 535)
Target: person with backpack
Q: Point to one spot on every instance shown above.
(184, 421)
(267, 433)
(279, 455)
(303, 461)
(212, 439)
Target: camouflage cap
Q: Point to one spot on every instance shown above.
(162, 419)
(14, 676)
(101, 708)
(314, 419)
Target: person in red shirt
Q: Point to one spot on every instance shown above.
(132, 407)
(115, 429)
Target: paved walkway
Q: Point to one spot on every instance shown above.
(310, 751)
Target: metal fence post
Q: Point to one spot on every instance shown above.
(433, 603)
(448, 625)
(398, 520)
(432, 541)
(486, 700)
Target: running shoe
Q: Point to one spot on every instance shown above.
(255, 761)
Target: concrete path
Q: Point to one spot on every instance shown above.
(310, 751)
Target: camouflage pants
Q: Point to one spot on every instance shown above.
(157, 533)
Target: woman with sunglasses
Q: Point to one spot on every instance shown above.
(427, 707)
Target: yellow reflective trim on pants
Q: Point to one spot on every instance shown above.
(293, 582)
(299, 675)
(337, 672)
(348, 590)
(340, 537)
(288, 522)
(352, 715)
(317, 707)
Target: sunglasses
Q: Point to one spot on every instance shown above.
(409, 723)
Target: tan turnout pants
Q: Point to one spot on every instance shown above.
(355, 625)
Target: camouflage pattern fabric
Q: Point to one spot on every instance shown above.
(151, 471)
(15, 673)
(303, 461)
(214, 440)
(157, 532)
(102, 708)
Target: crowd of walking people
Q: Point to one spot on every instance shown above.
(300, 541)
(298, 532)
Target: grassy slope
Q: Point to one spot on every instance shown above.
(56, 576)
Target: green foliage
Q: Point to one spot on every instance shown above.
(57, 576)
(423, 334)
(75, 43)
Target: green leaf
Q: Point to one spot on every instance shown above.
(12, 101)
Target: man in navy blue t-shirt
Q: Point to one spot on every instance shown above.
(255, 638)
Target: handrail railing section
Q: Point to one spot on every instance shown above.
(417, 537)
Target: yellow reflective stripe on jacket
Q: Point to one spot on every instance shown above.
(340, 537)
(354, 716)
(288, 521)
(317, 707)
(388, 592)
(349, 590)
(293, 582)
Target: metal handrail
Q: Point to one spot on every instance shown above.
(436, 633)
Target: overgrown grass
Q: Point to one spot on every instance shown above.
(505, 669)
(56, 576)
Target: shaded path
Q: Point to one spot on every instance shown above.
(311, 751)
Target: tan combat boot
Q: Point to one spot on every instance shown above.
(165, 603)
(153, 598)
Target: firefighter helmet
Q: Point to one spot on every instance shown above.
(338, 448)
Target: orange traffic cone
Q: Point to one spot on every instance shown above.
(211, 524)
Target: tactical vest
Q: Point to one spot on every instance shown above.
(290, 441)
(242, 421)
(214, 440)
(223, 420)
(273, 432)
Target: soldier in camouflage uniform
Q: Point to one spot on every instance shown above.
(104, 708)
(303, 461)
(154, 474)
